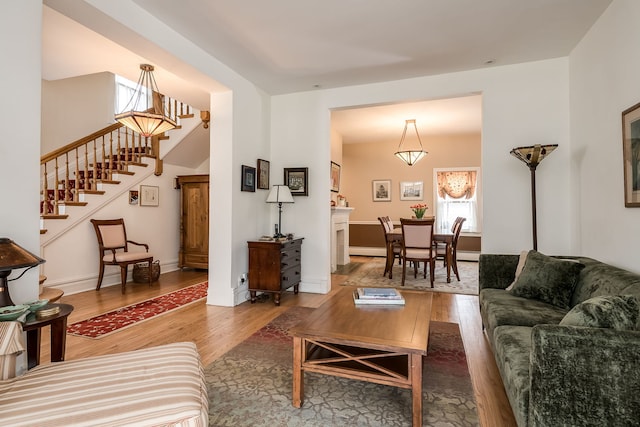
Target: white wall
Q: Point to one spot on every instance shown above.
(72, 259)
(604, 70)
(21, 24)
(239, 131)
(523, 104)
(75, 107)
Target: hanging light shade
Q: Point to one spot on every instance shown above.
(410, 157)
(145, 112)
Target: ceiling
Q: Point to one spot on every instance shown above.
(286, 46)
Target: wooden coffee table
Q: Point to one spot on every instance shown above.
(379, 344)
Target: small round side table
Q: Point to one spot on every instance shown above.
(58, 324)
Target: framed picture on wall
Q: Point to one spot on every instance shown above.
(631, 155)
(263, 174)
(335, 177)
(381, 189)
(133, 197)
(248, 178)
(149, 195)
(411, 190)
(297, 179)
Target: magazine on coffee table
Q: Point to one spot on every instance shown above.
(361, 297)
(379, 293)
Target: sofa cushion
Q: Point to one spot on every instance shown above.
(521, 260)
(618, 312)
(156, 386)
(512, 353)
(547, 279)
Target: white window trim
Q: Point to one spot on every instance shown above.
(478, 195)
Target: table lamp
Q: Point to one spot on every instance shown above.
(279, 194)
(13, 257)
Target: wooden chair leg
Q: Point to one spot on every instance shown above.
(432, 264)
(123, 276)
(100, 276)
(454, 264)
(404, 271)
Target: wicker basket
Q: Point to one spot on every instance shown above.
(141, 271)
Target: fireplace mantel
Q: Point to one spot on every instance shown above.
(339, 236)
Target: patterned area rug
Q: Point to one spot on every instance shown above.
(251, 385)
(116, 320)
(369, 274)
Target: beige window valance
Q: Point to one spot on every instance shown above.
(457, 184)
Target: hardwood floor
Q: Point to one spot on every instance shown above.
(215, 330)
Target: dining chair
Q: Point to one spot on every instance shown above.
(392, 243)
(447, 247)
(417, 246)
(114, 249)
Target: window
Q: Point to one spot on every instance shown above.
(125, 89)
(458, 194)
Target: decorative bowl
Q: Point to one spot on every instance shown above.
(34, 305)
(12, 312)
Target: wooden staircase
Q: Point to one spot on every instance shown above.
(85, 166)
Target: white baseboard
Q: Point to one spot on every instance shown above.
(77, 285)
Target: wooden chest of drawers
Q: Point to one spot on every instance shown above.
(274, 267)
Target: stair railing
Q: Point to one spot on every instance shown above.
(81, 166)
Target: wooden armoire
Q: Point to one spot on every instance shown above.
(194, 221)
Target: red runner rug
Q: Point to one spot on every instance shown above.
(107, 323)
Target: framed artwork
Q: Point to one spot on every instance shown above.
(411, 190)
(133, 197)
(263, 174)
(335, 177)
(297, 179)
(248, 178)
(381, 189)
(149, 195)
(631, 155)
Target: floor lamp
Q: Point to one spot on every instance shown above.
(532, 156)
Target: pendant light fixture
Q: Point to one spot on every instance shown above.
(410, 157)
(145, 113)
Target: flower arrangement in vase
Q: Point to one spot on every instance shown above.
(419, 210)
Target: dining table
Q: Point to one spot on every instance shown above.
(442, 236)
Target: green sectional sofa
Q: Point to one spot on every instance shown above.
(566, 358)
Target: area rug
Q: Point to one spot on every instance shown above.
(251, 385)
(369, 274)
(116, 320)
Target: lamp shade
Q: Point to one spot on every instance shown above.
(280, 194)
(410, 157)
(145, 113)
(533, 155)
(13, 256)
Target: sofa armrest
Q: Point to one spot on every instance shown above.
(584, 376)
(11, 345)
(497, 271)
